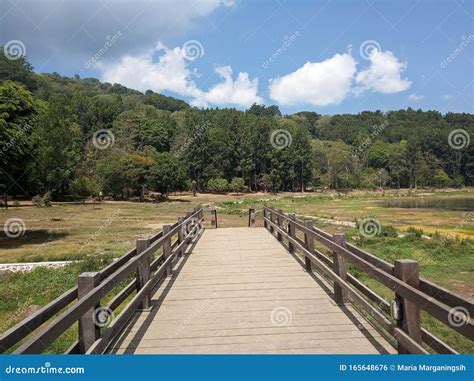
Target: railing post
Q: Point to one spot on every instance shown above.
(143, 272)
(181, 234)
(270, 217)
(279, 237)
(291, 232)
(214, 217)
(407, 271)
(89, 331)
(167, 247)
(251, 217)
(339, 265)
(309, 243)
(265, 225)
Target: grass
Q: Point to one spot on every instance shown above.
(99, 233)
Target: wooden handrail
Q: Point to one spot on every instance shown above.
(108, 279)
(432, 302)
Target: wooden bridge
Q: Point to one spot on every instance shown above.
(242, 290)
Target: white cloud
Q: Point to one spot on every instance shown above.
(415, 97)
(171, 72)
(316, 83)
(447, 97)
(241, 92)
(139, 72)
(383, 75)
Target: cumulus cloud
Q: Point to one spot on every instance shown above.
(242, 91)
(316, 83)
(383, 75)
(170, 71)
(329, 82)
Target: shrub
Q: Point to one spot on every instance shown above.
(388, 231)
(218, 185)
(237, 185)
(415, 232)
(44, 200)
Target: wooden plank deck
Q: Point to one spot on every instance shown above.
(240, 291)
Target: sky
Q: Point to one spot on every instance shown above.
(327, 56)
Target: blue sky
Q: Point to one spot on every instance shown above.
(325, 56)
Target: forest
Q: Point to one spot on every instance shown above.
(72, 138)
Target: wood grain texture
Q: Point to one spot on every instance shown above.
(240, 291)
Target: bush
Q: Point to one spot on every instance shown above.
(41, 201)
(415, 232)
(237, 185)
(388, 231)
(84, 187)
(218, 185)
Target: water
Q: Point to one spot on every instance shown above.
(463, 203)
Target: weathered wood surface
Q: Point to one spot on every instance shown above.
(240, 291)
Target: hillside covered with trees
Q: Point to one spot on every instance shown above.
(73, 138)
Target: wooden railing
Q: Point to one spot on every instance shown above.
(399, 320)
(98, 326)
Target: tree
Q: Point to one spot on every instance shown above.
(124, 175)
(84, 187)
(18, 70)
(57, 141)
(167, 174)
(156, 131)
(218, 185)
(237, 185)
(262, 110)
(18, 114)
(441, 179)
(398, 165)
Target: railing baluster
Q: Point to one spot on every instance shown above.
(167, 247)
(279, 222)
(214, 217)
(291, 232)
(181, 235)
(251, 217)
(89, 331)
(309, 242)
(407, 271)
(340, 268)
(143, 271)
